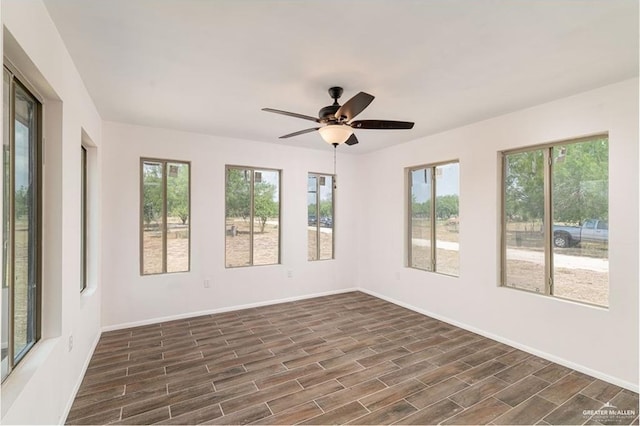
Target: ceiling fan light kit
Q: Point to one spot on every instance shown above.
(337, 121)
(335, 134)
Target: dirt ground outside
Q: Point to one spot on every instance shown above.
(237, 242)
(575, 284)
(177, 248)
(21, 296)
(238, 239)
(326, 243)
(447, 261)
(445, 230)
(585, 284)
(265, 244)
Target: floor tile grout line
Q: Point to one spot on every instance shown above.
(555, 406)
(617, 393)
(542, 397)
(560, 378)
(318, 405)
(405, 400)
(454, 414)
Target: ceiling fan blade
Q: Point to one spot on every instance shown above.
(381, 124)
(352, 139)
(292, 114)
(299, 132)
(354, 106)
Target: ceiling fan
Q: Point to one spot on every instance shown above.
(337, 120)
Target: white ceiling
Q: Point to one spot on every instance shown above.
(209, 66)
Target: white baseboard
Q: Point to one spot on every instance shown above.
(597, 374)
(76, 387)
(222, 310)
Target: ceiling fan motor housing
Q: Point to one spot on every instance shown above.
(328, 113)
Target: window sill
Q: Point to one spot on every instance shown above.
(20, 377)
(86, 295)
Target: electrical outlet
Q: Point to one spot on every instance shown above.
(70, 342)
(289, 273)
(207, 284)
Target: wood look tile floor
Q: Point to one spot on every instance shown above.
(347, 358)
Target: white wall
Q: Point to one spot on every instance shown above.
(603, 342)
(41, 388)
(369, 229)
(129, 298)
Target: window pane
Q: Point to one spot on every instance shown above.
(178, 220)
(153, 217)
(420, 219)
(580, 196)
(524, 221)
(237, 217)
(447, 195)
(7, 244)
(266, 213)
(312, 217)
(326, 216)
(25, 248)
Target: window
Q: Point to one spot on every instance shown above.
(83, 219)
(320, 215)
(252, 215)
(433, 225)
(555, 220)
(165, 220)
(22, 222)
